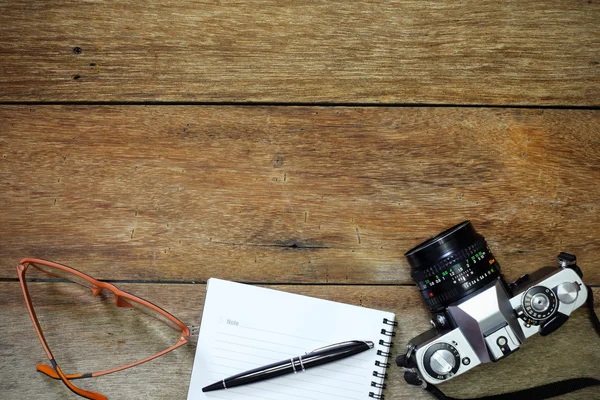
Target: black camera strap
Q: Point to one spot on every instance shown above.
(536, 393)
(593, 316)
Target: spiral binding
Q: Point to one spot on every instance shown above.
(386, 342)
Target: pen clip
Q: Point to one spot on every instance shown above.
(331, 346)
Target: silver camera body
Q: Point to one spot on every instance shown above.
(494, 321)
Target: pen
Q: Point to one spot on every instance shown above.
(316, 357)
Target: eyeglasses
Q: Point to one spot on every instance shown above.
(122, 299)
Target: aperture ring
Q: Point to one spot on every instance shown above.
(458, 280)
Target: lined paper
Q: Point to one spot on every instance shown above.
(245, 327)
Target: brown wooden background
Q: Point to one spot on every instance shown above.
(301, 145)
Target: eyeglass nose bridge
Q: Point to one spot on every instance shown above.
(119, 300)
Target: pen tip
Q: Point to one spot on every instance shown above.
(370, 344)
(214, 386)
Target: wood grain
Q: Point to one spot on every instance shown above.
(292, 194)
(91, 346)
(163, 197)
(465, 52)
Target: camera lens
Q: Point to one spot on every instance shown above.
(452, 265)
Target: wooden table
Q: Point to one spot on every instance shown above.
(303, 146)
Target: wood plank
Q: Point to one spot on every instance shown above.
(168, 377)
(463, 52)
(292, 194)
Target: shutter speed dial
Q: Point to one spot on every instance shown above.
(539, 303)
(441, 361)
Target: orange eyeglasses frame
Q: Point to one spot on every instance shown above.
(122, 299)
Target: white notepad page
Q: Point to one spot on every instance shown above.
(245, 327)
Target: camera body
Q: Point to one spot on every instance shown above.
(477, 317)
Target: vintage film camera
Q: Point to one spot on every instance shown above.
(477, 317)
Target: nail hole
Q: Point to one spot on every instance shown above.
(77, 50)
(75, 77)
(92, 64)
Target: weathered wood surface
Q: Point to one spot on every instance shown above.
(329, 197)
(462, 52)
(292, 194)
(570, 352)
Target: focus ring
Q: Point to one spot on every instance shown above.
(450, 261)
(452, 265)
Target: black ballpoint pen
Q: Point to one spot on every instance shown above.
(316, 357)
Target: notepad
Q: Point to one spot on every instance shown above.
(245, 327)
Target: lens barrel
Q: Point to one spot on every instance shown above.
(452, 265)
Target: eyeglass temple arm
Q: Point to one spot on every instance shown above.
(81, 392)
(48, 370)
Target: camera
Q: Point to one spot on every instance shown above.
(477, 316)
